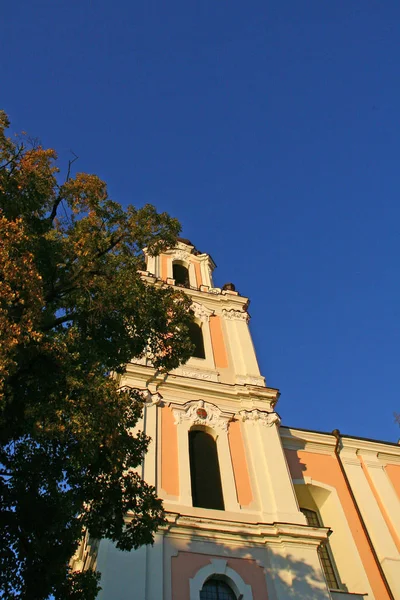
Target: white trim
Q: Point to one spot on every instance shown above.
(219, 566)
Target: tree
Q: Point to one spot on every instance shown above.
(74, 310)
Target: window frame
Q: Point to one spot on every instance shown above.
(324, 550)
(218, 567)
(218, 579)
(195, 484)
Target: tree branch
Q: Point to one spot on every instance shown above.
(59, 198)
(59, 321)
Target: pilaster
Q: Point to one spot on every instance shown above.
(378, 530)
(276, 495)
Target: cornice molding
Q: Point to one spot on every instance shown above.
(255, 534)
(301, 439)
(248, 396)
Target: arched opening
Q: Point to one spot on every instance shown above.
(204, 471)
(216, 589)
(181, 275)
(324, 551)
(196, 337)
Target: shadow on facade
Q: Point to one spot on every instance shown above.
(271, 575)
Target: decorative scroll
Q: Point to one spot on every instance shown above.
(201, 312)
(235, 315)
(148, 398)
(199, 412)
(180, 254)
(258, 416)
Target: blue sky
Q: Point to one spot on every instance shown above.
(271, 130)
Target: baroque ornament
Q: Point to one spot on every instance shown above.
(235, 315)
(181, 254)
(199, 412)
(201, 312)
(258, 416)
(148, 398)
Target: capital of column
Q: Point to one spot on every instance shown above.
(258, 416)
(148, 398)
(235, 315)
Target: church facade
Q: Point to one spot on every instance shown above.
(254, 510)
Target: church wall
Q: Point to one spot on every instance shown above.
(315, 468)
(186, 564)
(260, 543)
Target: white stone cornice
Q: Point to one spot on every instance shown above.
(258, 416)
(248, 396)
(325, 443)
(255, 534)
(199, 412)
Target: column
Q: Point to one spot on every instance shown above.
(384, 488)
(276, 494)
(150, 458)
(185, 489)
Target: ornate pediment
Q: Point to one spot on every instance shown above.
(198, 412)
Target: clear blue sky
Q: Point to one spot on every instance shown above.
(271, 130)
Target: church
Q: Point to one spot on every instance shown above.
(255, 510)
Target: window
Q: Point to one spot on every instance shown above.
(196, 337)
(204, 471)
(215, 589)
(180, 274)
(324, 551)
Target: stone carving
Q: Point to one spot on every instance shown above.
(180, 254)
(259, 416)
(201, 312)
(199, 412)
(205, 375)
(151, 399)
(235, 315)
(148, 398)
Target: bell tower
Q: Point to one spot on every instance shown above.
(215, 458)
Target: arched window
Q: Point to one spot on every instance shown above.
(196, 337)
(204, 471)
(332, 580)
(215, 589)
(181, 275)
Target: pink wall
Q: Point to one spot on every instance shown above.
(169, 453)
(186, 564)
(393, 472)
(240, 470)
